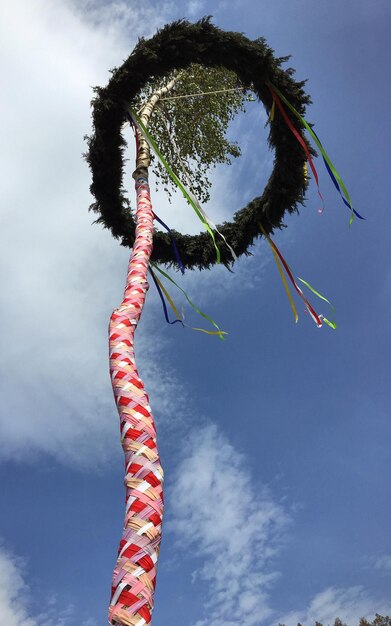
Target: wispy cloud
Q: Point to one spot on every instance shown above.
(383, 562)
(13, 611)
(15, 598)
(118, 18)
(194, 7)
(235, 526)
(349, 604)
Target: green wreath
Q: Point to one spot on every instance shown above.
(177, 46)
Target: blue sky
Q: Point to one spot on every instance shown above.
(274, 442)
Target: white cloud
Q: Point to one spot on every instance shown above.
(234, 526)
(349, 604)
(13, 611)
(61, 277)
(15, 595)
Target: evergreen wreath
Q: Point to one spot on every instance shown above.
(176, 46)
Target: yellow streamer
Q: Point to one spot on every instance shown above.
(288, 293)
(169, 299)
(272, 112)
(181, 318)
(277, 260)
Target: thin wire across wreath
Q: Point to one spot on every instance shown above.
(177, 46)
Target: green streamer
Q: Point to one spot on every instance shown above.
(322, 150)
(174, 177)
(209, 319)
(332, 324)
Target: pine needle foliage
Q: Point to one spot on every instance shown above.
(175, 48)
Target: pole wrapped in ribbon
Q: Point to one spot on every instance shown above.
(134, 575)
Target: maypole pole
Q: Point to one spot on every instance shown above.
(134, 577)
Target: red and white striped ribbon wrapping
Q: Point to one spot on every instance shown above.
(134, 575)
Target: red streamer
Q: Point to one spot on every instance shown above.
(300, 140)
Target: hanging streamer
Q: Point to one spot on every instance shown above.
(173, 242)
(288, 293)
(331, 173)
(300, 140)
(219, 332)
(336, 178)
(317, 319)
(331, 323)
(161, 289)
(272, 111)
(187, 194)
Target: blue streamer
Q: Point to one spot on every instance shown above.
(163, 300)
(337, 185)
(173, 243)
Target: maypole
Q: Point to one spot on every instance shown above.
(172, 51)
